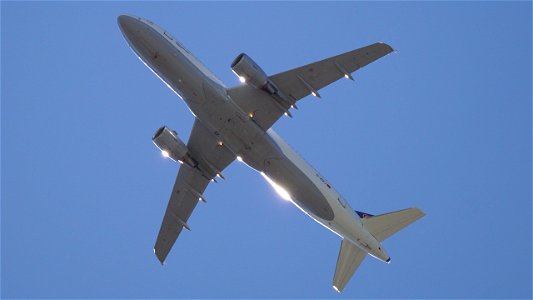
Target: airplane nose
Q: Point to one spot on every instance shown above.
(127, 24)
(124, 21)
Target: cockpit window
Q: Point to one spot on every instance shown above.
(168, 35)
(181, 47)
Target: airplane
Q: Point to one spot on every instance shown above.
(236, 124)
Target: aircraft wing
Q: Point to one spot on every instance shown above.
(189, 187)
(297, 83)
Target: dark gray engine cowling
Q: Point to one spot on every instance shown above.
(171, 146)
(249, 72)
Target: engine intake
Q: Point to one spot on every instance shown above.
(171, 146)
(248, 71)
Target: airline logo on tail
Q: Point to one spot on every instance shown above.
(363, 215)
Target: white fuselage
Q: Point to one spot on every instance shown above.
(266, 152)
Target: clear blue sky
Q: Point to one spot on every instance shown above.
(444, 125)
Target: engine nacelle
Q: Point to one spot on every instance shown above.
(248, 71)
(171, 146)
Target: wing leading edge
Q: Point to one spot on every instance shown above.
(189, 187)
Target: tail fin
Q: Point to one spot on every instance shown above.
(350, 257)
(383, 226)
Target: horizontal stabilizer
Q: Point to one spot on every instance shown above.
(350, 257)
(383, 226)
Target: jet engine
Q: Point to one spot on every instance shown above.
(171, 146)
(248, 71)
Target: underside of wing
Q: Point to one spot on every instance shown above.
(303, 81)
(186, 193)
(266, 106)
(189, 186)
